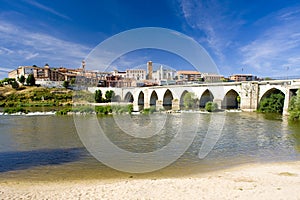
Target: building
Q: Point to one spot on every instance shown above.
(40, 73)
(242, 77)
(120, 74)
(136, 74)
(189, 75)
(210, 78)
(150, 70)
(163, 74)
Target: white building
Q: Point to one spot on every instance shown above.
(163, 74)
(136, 74)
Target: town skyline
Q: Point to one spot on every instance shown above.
(260, 38)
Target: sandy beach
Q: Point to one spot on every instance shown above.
(250, 181)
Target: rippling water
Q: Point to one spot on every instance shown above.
(49, 148)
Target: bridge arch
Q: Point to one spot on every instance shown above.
(205, 97)
(274, 108)
(116, 98)
(230, 100)
(181, 103)
(167, 100)
(153, 98)
(129, 97)
(269, 92)
(141, 100)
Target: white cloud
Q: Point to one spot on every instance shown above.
(276, 47)
(213, 19)
(18, 44)
(48, 9)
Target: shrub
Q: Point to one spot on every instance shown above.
(272, 104)
(211, 106)
(294, 107)
(98, 96)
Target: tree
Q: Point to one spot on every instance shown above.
(66, 84)
(30, 80)
(211, 106)
(15, 84)
(190, 100)
(98, 96)
(272, 104)
(22, 79)
(109, 94)
(73, 81)
(294, 107)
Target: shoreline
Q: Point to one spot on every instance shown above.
(280, 180)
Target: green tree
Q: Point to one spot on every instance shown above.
(211, 106)
(98, 96)
(109, 94)
(272, 104)
(66, 84)
(190, 100)
(73, 81)
(22, 79)
(30, 80)
(294, 107)
(15, 84)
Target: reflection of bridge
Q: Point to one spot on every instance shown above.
(224, 94)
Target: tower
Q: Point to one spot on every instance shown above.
(150, 70)
(83, 65)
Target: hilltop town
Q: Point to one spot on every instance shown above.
(56, 77)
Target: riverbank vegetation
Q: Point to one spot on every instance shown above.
(99, 110)
(294, 107)
(34, 97)
(272, 104)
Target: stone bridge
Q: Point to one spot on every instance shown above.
(225, 94)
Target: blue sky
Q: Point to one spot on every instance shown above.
(258, 37)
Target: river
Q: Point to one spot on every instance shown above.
(49, 148)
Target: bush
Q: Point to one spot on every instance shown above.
(150, 110)
(190, 100)
(294, 107)
(15, 110)
(211, 106)
(98, 96)
(272, 104)
(30, 80)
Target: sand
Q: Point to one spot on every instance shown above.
(251, 181)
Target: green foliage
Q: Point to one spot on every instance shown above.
(63, 111)
(98, 96)
(72, 81)
(66, 84)
(15, 85)
(22, 79)
(109, 95)
(8, 80)
(211, 106)
(294, 107)
(103, 109)
(30, 80)
(15, 110)
(272, 104)
(190, 100)
(150, 110)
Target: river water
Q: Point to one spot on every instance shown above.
(49, 147)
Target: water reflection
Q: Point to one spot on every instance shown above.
(295, 135)
(20, 160)
(27, 142)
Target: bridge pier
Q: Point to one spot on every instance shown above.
(218, 102)
(287, 98)
(159, 105)
(249, 96)
(175, 104)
